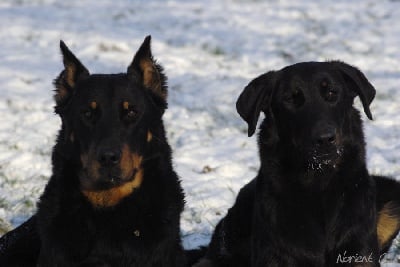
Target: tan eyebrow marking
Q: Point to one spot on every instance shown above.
(93, 105)
(125, 104)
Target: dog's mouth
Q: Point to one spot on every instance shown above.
(108, 190)
(97, 176)
(321, 160)
(106, 180)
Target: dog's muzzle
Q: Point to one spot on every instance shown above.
(320, 159)
(326, 150)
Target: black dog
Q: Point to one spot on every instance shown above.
(313, 202)
(114, 198)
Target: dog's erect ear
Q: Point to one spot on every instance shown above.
(359, 84)
(72, 73)
(256, 97)
(147, 71)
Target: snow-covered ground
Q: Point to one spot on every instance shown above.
(210, 51)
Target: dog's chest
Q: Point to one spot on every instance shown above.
(310, 224)
(303, 225)
(132, 225)
(126, 240)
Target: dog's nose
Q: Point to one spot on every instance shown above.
(326, 139)
(109, 157)
(325, 136)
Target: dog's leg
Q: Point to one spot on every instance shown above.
(388, 209)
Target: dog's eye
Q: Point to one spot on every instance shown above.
(295, 98)
(88, 114)
(331, 95)
(131, 113)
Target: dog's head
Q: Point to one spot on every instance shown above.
(109, 119)
(309, 111)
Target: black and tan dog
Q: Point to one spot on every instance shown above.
(114, 198)
(313, 202)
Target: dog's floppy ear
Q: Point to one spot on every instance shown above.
(72, 73)
(359, 84)
(147, 71)
(256, 97)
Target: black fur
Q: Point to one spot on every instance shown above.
(20, 247)
(112, 135)
(313, 198)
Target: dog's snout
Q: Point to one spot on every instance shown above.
(109, 157)
(325, 136)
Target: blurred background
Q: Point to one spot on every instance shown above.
(210, 51)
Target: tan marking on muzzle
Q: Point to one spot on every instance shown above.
(92, 166)
(131, 171)
(72, 137)
(129, 162)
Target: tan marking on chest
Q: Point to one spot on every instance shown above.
(111, 197)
